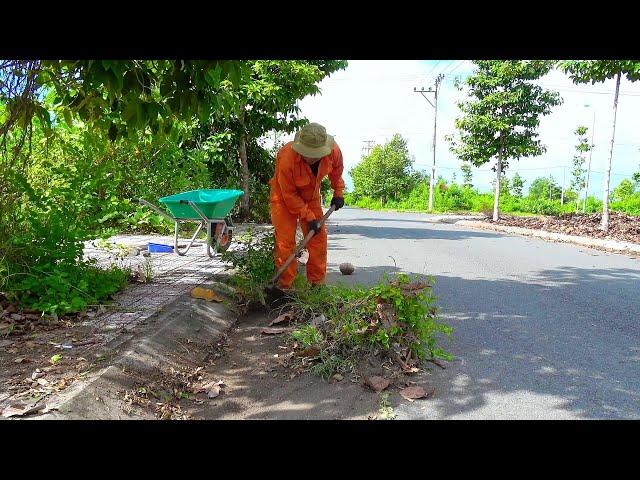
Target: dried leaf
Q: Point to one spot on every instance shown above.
(416, 392)
(337, 377)
(19, 360)
(309, 352)
(213, 389)
(284, 318)
(206, 294)
(386, 314)
(377, 384)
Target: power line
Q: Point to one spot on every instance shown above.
(433, 68)
(452, 64)
(459, 65)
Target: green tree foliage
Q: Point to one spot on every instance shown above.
(385, 172)
(467, 174)
(596, 71)
(623, 191)
(503, 113)
(545, 188)
(517, 184)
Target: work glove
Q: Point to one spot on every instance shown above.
(313, 225)
(338, 202)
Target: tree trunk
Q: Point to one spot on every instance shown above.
(496, 199)
(244, 166)
(607, 174)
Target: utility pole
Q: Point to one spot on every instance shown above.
(368, 147)
(433, 90)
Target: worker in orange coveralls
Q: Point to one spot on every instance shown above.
(295, 195)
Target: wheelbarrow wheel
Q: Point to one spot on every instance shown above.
(225, 241)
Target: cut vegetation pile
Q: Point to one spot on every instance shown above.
(334, 329)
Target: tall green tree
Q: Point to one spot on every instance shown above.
(545, 188)
(517, 184)
(578, 174)
(501, 117)
(385, 172)
(467, 175)
(624, 190)
(597, 71)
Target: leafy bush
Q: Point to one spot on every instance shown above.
(454, 199)
(66, 288)
(630, 205)
(253, 263)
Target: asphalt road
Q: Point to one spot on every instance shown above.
(541, 330)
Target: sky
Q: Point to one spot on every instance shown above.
(373, 99)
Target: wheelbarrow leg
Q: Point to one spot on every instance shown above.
(184, 252)
(209, 240)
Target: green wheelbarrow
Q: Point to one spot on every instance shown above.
(209, 208)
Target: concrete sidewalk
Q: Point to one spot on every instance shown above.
(173, 276)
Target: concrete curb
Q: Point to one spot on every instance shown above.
(184, 322)
(599, 243)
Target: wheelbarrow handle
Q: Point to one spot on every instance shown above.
(140, 201)
(302, 244)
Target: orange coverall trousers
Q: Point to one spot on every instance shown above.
(285, 225)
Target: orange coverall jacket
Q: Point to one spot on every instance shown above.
(295, 195)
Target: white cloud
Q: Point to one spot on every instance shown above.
(372, 100)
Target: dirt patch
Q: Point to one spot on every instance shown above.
(251, 375)
(43, 362)
(44, 355)
(264, 379)
(622, 227)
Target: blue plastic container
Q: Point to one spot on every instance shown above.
(160, 248)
